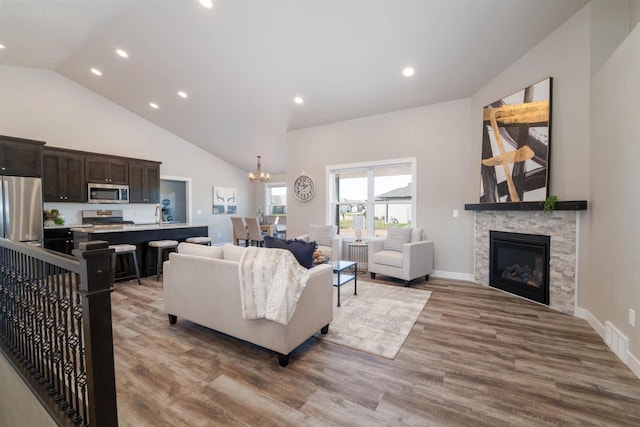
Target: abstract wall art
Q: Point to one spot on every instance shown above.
(516, 133)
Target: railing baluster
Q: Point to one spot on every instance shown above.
(51, 307)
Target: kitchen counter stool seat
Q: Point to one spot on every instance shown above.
(125, 249)
(203, 240)
(160, 245)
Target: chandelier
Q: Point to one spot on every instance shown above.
(259, 176)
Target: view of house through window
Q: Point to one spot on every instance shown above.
(276, 198)
(372, 197)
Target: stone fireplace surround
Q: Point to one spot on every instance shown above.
(560, 225)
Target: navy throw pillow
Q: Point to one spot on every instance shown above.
(303, 251)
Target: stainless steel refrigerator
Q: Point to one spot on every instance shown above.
(21, 209)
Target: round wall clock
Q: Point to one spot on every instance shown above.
(303, 188)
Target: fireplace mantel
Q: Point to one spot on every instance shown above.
(573, 205)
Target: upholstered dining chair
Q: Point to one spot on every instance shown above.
(239, 231)
(255, 234)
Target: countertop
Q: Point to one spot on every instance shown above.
(134, 227)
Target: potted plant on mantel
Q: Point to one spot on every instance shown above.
(550, 203)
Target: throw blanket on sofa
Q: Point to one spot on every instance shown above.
(271, 281)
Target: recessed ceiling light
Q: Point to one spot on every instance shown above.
(182, 94)
(96, 71)
(122, 53)
(154, 105)
(408, 71)
(2, 46)
(207, 3)
(298, 100)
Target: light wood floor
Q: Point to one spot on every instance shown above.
(475, 357)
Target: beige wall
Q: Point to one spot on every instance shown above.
(634, 13)
(615, 200)
(42, 105)
(437, 135)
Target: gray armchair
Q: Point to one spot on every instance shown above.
(327, 238)
(402, 257)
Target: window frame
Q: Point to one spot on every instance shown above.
(267, 187)
(370, 204)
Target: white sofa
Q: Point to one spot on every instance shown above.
(201, 284)
(414, 259)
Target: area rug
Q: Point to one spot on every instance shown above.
(378, 319)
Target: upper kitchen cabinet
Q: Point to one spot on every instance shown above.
(144, 182)
(106, 169)
(20, 157)
(63, 176)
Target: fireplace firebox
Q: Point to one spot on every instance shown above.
(519, 264)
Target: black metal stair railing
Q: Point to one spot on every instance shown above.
(55, 326)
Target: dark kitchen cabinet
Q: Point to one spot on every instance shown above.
(63, 176)
(106, 169)
(59, 240)
(20, 157)
(144, 182)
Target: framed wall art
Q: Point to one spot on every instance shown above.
(516, 137)
(224, 200)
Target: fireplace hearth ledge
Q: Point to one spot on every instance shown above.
(573, 205)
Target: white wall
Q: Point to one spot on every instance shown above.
(437, 135)
(615, 200)
(42, 105)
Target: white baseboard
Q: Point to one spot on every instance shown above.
(585, 314)
(453, 275)
(631, 361)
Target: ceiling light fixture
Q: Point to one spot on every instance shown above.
(2, 46)
(96, 71)
(122, 53)
(207, 3)
(298, 100)
(154, 105)
(259, 176)
(182, 94)
(408, 71)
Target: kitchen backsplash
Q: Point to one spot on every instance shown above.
(136, 212)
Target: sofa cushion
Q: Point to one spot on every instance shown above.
(322, 234)
(303, 251)
(396, 237)
(390, 258)
(232, 252)
(200, 250)
(416, 235)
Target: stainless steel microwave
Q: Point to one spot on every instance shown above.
(108, 193)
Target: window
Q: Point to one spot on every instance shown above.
(276, 198)
(383, 188)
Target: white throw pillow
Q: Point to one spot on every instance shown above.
(396, 237)
(322, 234)
(200, 250)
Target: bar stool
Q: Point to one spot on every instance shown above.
(161, 245)
(125, 249)
(199, 240)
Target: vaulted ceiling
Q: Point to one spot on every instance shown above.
(241, 63)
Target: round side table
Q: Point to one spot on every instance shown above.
(359, 252)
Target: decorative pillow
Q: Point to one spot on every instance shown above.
(322, 234)
(303, 251)
(396, 237)
(232, 252)
(200, 250)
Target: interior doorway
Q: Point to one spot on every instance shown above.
(175, 199)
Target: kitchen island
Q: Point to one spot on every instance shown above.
(139, 235)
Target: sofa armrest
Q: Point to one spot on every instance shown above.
(304, 237)
(375, 245)
(420, 258)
